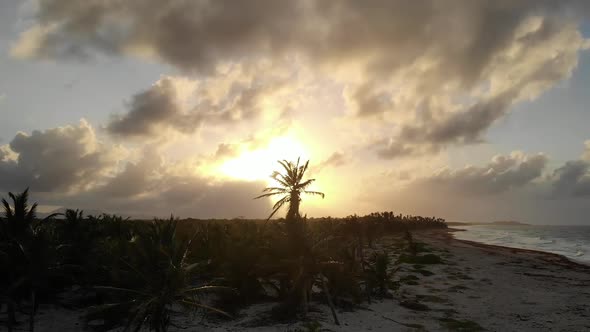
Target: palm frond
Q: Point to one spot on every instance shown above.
(305, 184)
(276, 176)
(208, 289)
(315, 193)
(278, 205)
(288, 166)
(302, 171)
(206, 307)
(282, 190)
(267, 195)
(292, 185)
(7, 209)
(32, 213)
(53, 215)
(127, 290)
(282, 201)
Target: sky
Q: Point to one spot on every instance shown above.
(466, 110)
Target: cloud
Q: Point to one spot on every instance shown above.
(141, 192)
(237, 93)
(517, 186)
(573, 178)
(520, 72)
(255, 141)
(217, 30)
(434, 74)
(199, 34)
(512, 175)
(508, 187)
(586, 155)
(64, 158)
(152, 187)
(148, 110)
(226, 151)
(136, 178)
(69, 166)
(501, 174)
(336, 159)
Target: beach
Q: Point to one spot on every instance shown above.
(475, 287)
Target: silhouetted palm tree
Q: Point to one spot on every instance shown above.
(26, 249)
(292, 186)
(18, 217)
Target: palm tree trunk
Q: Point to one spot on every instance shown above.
(304, 298)
(293, 212)
(10, 313)
(361, 253)
(32, 312)
(329, 298)
(283, 288)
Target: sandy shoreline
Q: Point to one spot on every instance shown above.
(477, 286)
(550, 257)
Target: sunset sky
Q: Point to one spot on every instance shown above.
(467, 110)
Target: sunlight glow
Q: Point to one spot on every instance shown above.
(259, 164)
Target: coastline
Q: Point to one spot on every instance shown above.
(550, 257)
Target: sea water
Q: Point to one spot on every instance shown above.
(572, 242)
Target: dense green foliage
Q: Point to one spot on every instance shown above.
(147, 273)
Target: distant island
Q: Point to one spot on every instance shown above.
(509, 222)
(499, 222)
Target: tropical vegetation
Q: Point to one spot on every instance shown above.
(134, 274)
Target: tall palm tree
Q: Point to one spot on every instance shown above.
(292, 185)
(302, 265)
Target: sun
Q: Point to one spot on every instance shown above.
(259, 164)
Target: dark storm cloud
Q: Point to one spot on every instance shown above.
(61, 158)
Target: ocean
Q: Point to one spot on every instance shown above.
(572, 242)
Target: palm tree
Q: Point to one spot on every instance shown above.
(292, 186)
(15, 228)
(26, 248)
(303, 263)
(19, 217)
(157, 280)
